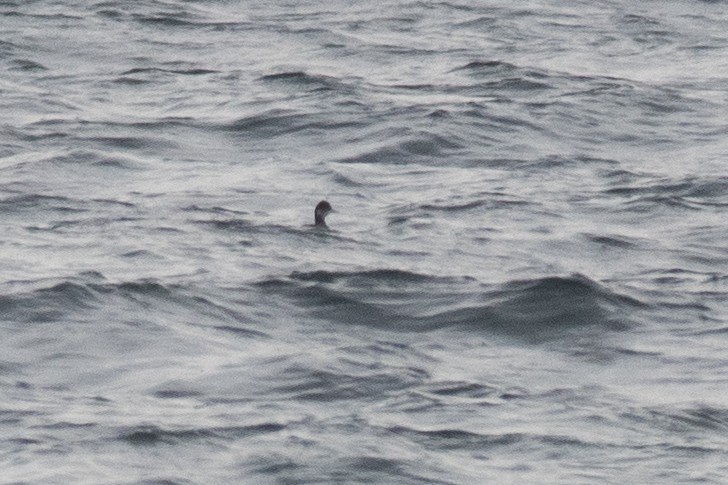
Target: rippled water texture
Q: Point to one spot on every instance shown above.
(524, 280)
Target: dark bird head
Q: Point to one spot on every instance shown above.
(322, 209)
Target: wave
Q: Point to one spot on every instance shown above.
(423, 147)
(277, 122)
(47, 304)
(304, 383)
(240, 226)
(311, 82)
(27, 65)
(388, 276)
(700, 419)
(151, 435)
(67, 160)
(614, 241)
(26, 201)
(453, 439)
(81, 298)
(537, 309)
(185, 72)
(478, 202)
(689, 193)
(488, 67)
(461, 390)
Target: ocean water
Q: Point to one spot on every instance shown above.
(524, 281)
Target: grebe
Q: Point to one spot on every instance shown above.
(322, 209)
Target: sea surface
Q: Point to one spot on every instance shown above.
(525, 279)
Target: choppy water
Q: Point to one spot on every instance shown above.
(525, 281)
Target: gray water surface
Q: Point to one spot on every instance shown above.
(524, 282)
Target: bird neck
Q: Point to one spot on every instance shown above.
(320, 219)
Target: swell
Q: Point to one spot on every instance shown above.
(89, 297)
(692, 421)
(277, 122)
(301, 80)
(536, 309)
(69, 161)
(457, 439)
(152, 435)
(687, 193)
(478, 202)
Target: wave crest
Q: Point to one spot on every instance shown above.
(537, 309)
